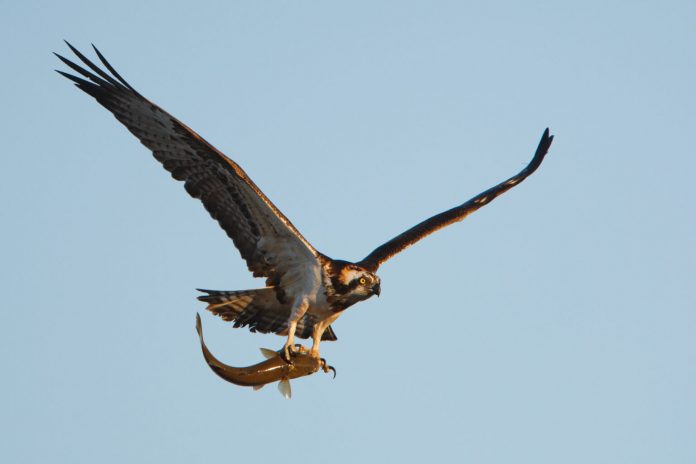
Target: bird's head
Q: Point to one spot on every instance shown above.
(353, 283)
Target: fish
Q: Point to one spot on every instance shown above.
(273, 369)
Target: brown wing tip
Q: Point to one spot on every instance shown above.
(199, 326)
(542, 148)
(546, 139)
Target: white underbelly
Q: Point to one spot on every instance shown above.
(305, 284)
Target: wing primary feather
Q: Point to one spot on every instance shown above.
(113, 71)
(427, 227)
(77, 68)
(93, 66)
(77, 80)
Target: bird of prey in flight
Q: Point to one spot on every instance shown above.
(305, 289)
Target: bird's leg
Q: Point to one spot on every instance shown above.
(289, 346)
(317, 332)
(298, 310)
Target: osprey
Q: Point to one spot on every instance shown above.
(305, 290)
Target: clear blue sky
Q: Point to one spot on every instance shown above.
(554, 325)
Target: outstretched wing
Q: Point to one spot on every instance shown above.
(427, 227)
(266, 239)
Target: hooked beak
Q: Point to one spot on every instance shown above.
(376, 289)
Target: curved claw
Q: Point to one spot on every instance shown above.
(299, 348)
(326, 368)
(289, 351)
(286, 354)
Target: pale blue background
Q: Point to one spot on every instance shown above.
(555, 325)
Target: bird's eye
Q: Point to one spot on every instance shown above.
(362, 281)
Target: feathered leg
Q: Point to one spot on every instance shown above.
(318, 331)
(298, 310)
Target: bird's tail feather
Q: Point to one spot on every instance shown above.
(260, 310)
